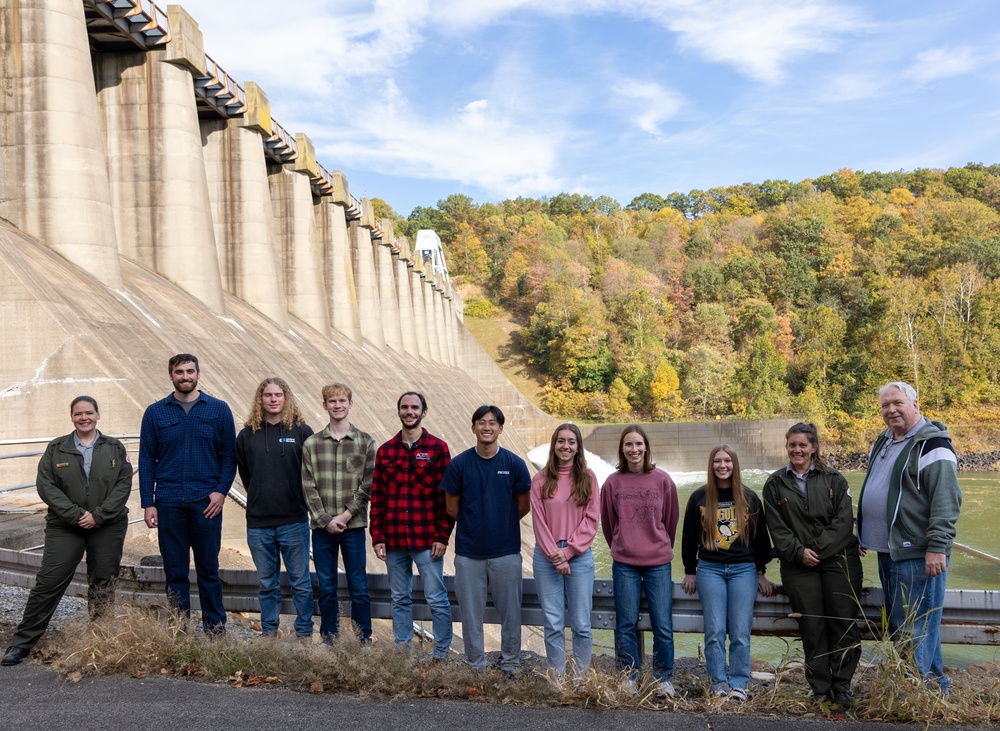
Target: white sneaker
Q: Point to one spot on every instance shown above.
(737, 694)
(665, 689)
(628, 686)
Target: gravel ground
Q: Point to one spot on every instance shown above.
(74, 609)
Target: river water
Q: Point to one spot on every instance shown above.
(977, 529)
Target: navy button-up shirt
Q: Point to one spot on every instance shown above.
(185, 457)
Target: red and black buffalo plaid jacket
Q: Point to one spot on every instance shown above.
(408, 507)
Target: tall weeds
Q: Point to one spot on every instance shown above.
(139, 643)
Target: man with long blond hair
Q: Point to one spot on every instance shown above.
(269, 459)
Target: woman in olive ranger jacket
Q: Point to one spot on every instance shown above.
(811, 521)
(85, 478)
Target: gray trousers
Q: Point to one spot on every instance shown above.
(502, 577)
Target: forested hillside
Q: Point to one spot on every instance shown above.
(747, 301)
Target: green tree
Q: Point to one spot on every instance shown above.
(707, 380)
(647, 202)
(758, 386)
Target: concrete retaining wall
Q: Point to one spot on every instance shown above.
(684, 446)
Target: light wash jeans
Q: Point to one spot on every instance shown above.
(502, 577)
(399, 567)
(913, 604)
(727, 592)
(269, 546)
(557, 594)
(630, 582)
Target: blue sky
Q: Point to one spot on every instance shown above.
(417, 99)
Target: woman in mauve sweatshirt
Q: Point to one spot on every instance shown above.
(565, 505)
(639, 514)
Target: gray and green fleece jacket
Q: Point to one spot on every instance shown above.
(924, 499)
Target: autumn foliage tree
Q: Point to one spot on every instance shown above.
(750, 300)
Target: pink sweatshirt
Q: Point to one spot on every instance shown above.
(639, 514)
(560, 518)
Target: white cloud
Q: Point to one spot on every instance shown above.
(477, 144)
(851, 87)
(653, 104)
(941, 63)
(758, 37)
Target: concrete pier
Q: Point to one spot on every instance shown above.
(160, 191)
(244, 220)
(299, 248)
(363, 257)
(54, 181)
(388, 304)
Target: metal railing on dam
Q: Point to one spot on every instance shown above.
(971, 617)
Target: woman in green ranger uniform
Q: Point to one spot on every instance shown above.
(85, 478)
(811, 521)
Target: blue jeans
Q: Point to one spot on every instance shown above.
(183, 528)
(913, 604)
(727, 592)
(352, 545)
(629, 583)
(557, 594)
(399, 567)
(269, 546)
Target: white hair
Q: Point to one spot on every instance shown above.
(906, 388)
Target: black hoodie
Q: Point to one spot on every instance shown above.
(269, 461)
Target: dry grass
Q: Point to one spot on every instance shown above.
(498, 337)
(138, 643)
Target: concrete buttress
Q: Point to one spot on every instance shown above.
(54, 181)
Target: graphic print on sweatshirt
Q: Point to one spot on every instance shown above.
(726, 528)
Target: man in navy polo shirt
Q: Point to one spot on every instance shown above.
(187, 462)
(487, 490)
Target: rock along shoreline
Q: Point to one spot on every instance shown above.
(968, 462)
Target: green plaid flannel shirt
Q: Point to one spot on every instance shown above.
(337, 476)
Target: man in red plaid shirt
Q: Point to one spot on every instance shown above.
(409, 521)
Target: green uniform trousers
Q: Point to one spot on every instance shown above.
(65, 546)
(827, 599)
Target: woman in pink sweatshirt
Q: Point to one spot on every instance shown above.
(639, 514)
(564, 511)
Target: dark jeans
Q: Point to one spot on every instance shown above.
(183, 528)
(64, 547)
(352, 544)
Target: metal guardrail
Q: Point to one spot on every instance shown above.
(971, 617)
(129, 440)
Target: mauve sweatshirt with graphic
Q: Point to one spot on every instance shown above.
(639, 513)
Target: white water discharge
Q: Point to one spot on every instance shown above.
(540, 454)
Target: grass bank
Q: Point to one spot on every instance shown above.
(137, 643)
